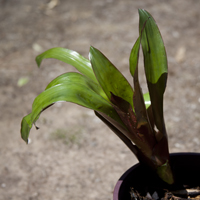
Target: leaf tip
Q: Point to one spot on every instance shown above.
(25, 128)
(38, 60)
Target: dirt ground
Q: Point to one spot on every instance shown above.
(73, 155)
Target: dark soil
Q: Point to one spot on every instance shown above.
(73, 155)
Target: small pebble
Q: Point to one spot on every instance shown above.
(3, 185)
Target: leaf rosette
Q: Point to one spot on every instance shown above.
(100, 86)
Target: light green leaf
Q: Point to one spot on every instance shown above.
(71, 92)
(70, 57)
(147, 100)
(109, 77)
(77, 78)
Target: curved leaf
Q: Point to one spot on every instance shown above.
(76, 93)
(77, 78)
(109, 77)
(70, 57)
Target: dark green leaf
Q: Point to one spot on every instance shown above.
(150, 116)
(70, 57)
(156, 94)
(155, 62)
(155, 58)
(133, 62)
(138, 99)
(109, 77)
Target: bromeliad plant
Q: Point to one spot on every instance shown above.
(136, 118)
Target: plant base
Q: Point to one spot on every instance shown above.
(186, 169)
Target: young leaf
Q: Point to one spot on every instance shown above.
(155, 62)
(109, 77)
(138, 99)
(70, 57)
(72, 92)
(133, 60)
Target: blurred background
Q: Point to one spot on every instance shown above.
(74, 155)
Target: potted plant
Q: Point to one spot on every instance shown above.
(136, 118)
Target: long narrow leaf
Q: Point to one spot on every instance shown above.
(76, 93)
(138, 99)
(155, 62)
(70, 57)
(133, 60)
(143, 124)
(109, 77)
(153, 48)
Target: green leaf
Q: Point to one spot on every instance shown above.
(143, 124)
(70, 57)
(155, 58)
(109, 77)
(26, 126)
(147, 100)
(156, 94)
(155, 62)
(165, 173)
(138, 99)
(133, 60)
(77, 78)
(71, 92)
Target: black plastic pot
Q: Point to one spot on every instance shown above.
(185, 167)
